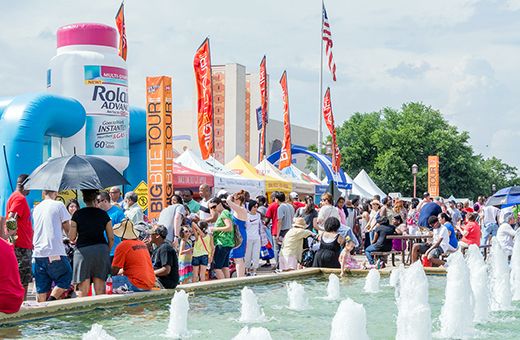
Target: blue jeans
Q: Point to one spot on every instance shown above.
(119, 281)
(490, 229)
(368, 252)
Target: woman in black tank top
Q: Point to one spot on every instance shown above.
(330, 245)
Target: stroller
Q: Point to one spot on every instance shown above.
(309, 253)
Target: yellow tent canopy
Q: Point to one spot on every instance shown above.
(281, 182)
(241, 167)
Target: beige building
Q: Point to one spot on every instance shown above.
(236, 96)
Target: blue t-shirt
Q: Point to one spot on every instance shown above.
(429, 209)
(453, 238)
(116, 216)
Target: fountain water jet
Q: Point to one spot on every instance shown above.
(478, 271)
(333, 288)
(457, 312)
(349, 322)
(250, 311)
(414, 314)
(515, 268)
(395, 275)
(97, 333)
(500, 285)
(178, 325)
(253, 333)
(296, 295)
(372, 281)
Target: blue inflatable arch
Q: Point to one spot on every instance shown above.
(326, 163)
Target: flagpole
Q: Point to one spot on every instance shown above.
(320, 127)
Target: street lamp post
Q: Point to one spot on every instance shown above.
(328, 148)
(415, 169)
(494, 188)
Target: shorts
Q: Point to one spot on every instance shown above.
(423, 247)
(91, 262)
(221, 257)
(436, 252)
(200, 260)
(24, 258)
(46, 272)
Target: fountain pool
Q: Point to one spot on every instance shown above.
(216, 315)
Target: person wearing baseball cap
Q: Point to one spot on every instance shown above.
(294, 200)
(132, 256)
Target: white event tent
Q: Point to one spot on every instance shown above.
(223, 178)
(367, 184)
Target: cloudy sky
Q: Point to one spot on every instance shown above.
(459, 56)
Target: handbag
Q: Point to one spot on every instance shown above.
(266, 253)
(237, 236)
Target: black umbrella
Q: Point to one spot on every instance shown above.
(74, 173)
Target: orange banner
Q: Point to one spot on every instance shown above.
(329, 120)
(264, 95)
(120, 23)
(159, 134)
(202, 67)
(285, 153)
(433, 176)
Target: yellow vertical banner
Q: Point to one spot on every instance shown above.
(433, 176)
(159, 132)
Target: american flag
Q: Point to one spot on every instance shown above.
(327, 37)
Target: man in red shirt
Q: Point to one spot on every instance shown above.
(471, 232)
(17, 207)
(294, 200)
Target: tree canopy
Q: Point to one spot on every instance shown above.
(387, 143)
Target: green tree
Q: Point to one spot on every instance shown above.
(387, 143)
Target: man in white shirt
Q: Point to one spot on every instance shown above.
(205, 213)
(171, 217)
(489, 223)
(133, 211)
(441, 242)
(51, 264)
(506, 233)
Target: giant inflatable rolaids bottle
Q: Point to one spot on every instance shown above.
(87, 67)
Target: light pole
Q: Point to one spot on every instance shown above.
(415, 169)
(494, 188)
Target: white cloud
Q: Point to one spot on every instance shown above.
(512, 5)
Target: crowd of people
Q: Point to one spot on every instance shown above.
(107, 245)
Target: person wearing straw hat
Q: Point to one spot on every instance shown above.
(292, 245)
(132, 265)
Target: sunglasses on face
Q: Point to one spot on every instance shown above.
(99, 200)
(213, 207)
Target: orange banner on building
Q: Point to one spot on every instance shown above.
(159, 134)
(433, 176)
(264, 98)
(285, 153)
(329, 120)
(202, 67)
